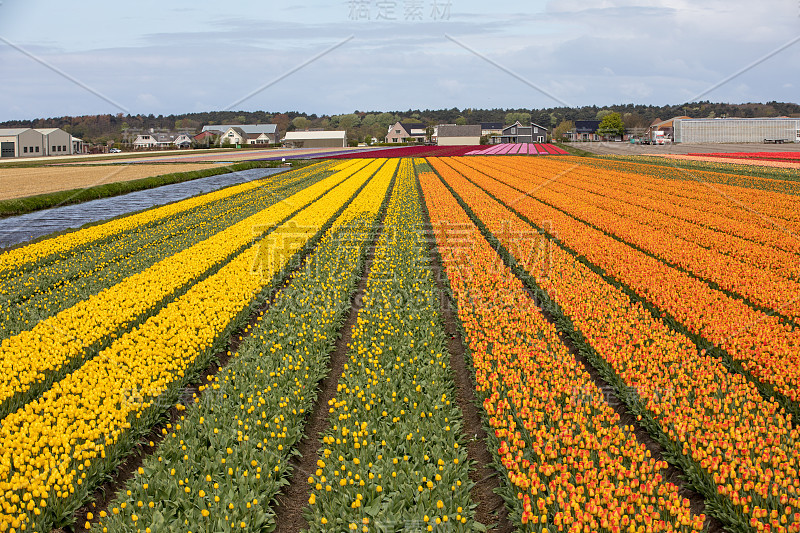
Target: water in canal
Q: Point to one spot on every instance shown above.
(23, 228)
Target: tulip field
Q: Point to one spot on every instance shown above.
(282, 355)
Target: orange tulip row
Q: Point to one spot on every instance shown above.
(741, 450)
(569, 461)
(760, 286)
(765, 347)
(657, 211)
(741, 193)
(758, 216)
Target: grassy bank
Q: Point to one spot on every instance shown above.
(573, 150)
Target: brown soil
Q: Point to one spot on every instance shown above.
(22, 182)
(491, 510)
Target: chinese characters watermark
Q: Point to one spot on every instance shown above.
(399, 10)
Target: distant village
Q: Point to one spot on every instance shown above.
(37, 142)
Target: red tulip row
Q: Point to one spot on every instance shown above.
(740, 450)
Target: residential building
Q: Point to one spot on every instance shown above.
(162, 140)
(315, 139)
(517, 133)
(262, 133)
(736, 130)
(236, 135)
(585, 130)
(21, 142)
(453, 135)
(205, 137)
(491, 128)
(182, 140)
(402, 132)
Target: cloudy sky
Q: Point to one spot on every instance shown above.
(73, 58)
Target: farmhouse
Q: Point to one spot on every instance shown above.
(736, 130)
(238, 135)
(402, 132)
(315, 139)
(491, 128)
(453, 135)
(517, 133)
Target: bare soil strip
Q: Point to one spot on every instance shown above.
(491, 510)
(22, 182)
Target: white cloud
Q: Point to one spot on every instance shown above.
(192, 59)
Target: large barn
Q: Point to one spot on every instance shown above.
(21, 142)
(736, 130)
(56, 141)
(316, 139)
(29, 142)
(453, 135)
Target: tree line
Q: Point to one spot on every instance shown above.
(366, 125)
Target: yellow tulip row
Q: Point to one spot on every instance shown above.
(392, 441)
(741, 450)
(30, 360)
(568, 459)
(55, 448)
(18, 257)
(251, 415)
(60, 282)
